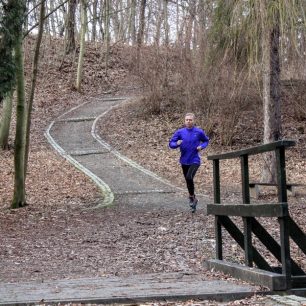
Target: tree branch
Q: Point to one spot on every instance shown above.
(37, 24)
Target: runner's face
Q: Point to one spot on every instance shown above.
(189, 121)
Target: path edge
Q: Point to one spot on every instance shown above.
(108, 195)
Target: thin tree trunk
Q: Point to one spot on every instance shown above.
(141, 23)
(158, 24)
(70, 43)
(166, 23)
(202, 30)
(177, 22)
(63, 22)
(132, 27)
(33, 83)
(101, 15)
(271, 97)
(116, 21)
(94, 21)
(82, 44)
(6, 120)
(188, 37)
(147, 19)
(106, 32)
(53, 19)
(19, 199)
(141, 29)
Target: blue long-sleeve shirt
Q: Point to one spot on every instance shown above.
(191, 139)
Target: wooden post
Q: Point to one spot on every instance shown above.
(217, 199)
(281, 174)
(247, 224)
(283, 221)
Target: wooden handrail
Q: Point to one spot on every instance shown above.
(253, 150)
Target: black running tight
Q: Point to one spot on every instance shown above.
(189, 173)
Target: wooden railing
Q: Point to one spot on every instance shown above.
(291, 274)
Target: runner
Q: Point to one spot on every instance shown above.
(191, 140)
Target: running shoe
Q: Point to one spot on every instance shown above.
(191, 199)
(194, 205)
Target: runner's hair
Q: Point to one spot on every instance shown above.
(190, 114)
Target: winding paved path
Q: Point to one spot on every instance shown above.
(74, 136)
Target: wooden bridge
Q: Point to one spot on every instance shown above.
(289, 275)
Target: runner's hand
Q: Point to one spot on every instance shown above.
(199, 148)
(179, 142)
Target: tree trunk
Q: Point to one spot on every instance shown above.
(202, 28)
(115, 21)
(70, 40)
(101, 15)
(141, 23)
(94, 20)
(141, 29)
(82, 44)
(271, 98)
(158, 24)
(33, 83)
(189, 27)
(166, 23)
(7, 43)
(53, 19)
(6, 120)
(106, 32)
(19, 199)
(132, 27)
(62, 22)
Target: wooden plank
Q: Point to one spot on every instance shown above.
(285, 248)
(297, 235)
(135, 289)
(248, 247)
(288, 185)
(235, 232)
(281, 174)
(216, 176)
(217, 199)
(254, 188)
(269, 242)
(299, 281)
(247, 226)
(245, 179)
(273, 281)
(218, 233)
(248, 210)
(253, 150)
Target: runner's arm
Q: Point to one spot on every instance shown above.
(173, 141)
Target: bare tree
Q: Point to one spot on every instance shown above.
(106, 42)
(19, 198)
(83, 8)
(132, 22)
(70, 39)
(94, 20)
(6, 120)
(252, 34)
(141, 28)
(33, 84)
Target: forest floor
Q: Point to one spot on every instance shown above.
(54, 237)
